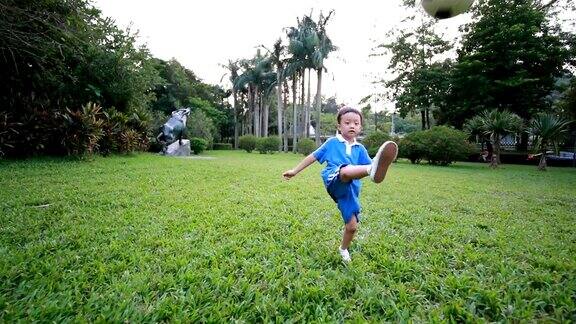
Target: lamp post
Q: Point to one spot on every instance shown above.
(393, 128)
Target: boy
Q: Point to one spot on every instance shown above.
(347, 163)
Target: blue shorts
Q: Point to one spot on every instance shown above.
(345, 194)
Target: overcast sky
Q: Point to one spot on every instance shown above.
(201, 35)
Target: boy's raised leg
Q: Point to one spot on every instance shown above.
(386, 155)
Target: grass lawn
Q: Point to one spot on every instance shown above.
(151, 238)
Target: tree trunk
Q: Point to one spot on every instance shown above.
(423, 117)
(496, 139)
(295, 117)
(250, 113)
(265, 120)
(285, 120)
(307, 131)
(234, 96)
(279, 106)
(542, 165)
(318, 105)
(427, 118)
(302, 98)
(257, 102)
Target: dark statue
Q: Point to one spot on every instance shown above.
(174, 129)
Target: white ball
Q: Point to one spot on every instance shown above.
(443, 9)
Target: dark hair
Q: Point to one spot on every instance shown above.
(345, 110)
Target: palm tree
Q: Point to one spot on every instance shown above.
(295, 64)
(498, 123)
(234, 68)
(547, 130)
(321, 52)
(256, 76)
(276, 58)
(475, 128)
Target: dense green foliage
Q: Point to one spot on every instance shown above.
(198, 145)
(413, 147)
(113, 241)
(268, 144)
(548, 130)
(59, 57)
(510, 58)
(222, 146)
(247, 143)
(439, 145)
(374, 140)
(306, 146)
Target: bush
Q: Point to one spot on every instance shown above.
(268, 144)
(247, 143)
(198, 145)
(446, 145)
(440, 145)
(82, 129)
(121, 134)
(222, 146)
(306, 146)
(374, 140)
(413, 147)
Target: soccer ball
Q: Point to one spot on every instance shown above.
(443, 9)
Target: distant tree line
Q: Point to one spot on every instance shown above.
(72, 82)
(514, 57)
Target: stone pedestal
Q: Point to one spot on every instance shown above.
(176, 149)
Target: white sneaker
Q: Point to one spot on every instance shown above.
(386, 155)
(345, 255)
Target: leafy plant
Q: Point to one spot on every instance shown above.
(82, 129)
(413, 147)
(268, 144)
(547, 130)
(306, 146)
(247, 143)
(198, 145)
(9, 131)
(440, 145)
(222, 146)
(374, 140)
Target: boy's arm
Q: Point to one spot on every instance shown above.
(301, 166)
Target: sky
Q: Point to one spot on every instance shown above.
(203, 35)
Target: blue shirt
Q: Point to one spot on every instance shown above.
(337, 152)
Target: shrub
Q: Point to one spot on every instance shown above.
(268, 144)
(440, 145)
(8, 133)
(198, 145)
(373, 141)
(201, 126)
(413, 147)
(222, 146)
(445, 145)
(247, 143)
(122, 134)
(306, 146)
(82, 129)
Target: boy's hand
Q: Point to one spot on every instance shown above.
(288, 174)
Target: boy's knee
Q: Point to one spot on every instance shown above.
(352, 227)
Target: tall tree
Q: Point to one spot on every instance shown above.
(510, 57)
(321, 52)
(421, 80)
(233, 67)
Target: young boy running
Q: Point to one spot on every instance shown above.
(347, 162)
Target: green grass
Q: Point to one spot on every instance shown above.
(150, 238)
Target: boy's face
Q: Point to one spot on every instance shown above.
(350, 125)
